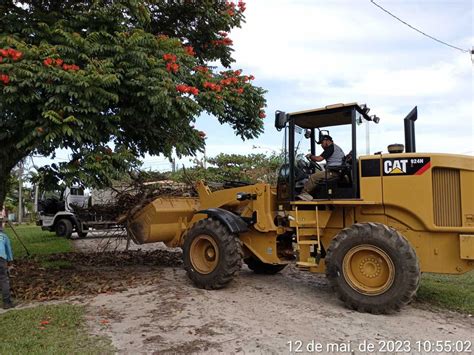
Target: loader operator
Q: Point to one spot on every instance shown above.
(333, 155)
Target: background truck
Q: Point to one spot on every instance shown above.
(372, 229)
(73, 210)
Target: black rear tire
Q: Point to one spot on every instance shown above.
(259, 267)
(63, 228)
(212, 255)
(361, 255)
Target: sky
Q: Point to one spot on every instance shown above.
(312, 53)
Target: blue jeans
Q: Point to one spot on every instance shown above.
(4, 281)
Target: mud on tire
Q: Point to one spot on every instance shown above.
(211, 254)
(358, 255)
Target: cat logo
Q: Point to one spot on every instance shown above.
(410, 166)
(395, 166)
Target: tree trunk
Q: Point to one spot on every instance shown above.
(8, 160)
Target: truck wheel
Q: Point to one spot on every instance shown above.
(212, 255)
(260, 267)
(63, 228)
(372, 268)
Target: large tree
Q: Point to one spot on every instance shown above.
(112, 80)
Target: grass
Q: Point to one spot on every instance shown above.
(54, 329)
(454, 292)
(37, 241)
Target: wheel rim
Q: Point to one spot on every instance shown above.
(204, 254)
(368, 270)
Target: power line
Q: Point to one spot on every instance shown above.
(419, 31)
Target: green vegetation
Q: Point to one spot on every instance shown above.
(37, 241)
(251, 168)
(455, 292)
(84, 75)
(57, 329)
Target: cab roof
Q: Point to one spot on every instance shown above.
(327, 116)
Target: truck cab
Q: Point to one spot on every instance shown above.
(56, 213)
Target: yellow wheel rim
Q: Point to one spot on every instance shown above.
(368, 270)
(204, 254)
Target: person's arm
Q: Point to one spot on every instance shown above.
(324, 155)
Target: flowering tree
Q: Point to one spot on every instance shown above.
(112, 80)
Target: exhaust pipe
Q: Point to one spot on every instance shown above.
(409, 121)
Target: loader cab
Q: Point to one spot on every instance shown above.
(347, 124)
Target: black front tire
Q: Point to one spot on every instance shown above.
(381, 247)
(259, 267)
(227, 249)
(63, 228)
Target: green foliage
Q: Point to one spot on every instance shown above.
(250, 168)
(133, 74)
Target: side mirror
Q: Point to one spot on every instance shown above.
(280, 120)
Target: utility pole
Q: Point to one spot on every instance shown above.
(173, 165)
(20, 194)
(35, 208)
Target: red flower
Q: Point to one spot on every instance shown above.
(222, 42)
(240, 90)
(251, 77)
(169, 57)
(11, 53)
(182, 88)
(201, 69)
(70, 67)
(194, 91)
(241, 5)
(48, 61)
(172, 67)
(262, 114)
(59, 62)
(5, 78)
(238, 72)
(15, 55)
(190, 50)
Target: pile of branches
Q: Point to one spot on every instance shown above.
(132, 197)
(78, 274)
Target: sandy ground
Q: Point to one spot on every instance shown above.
(256, 314)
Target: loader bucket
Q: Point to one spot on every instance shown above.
(163, 220)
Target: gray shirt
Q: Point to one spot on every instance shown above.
(333, 155)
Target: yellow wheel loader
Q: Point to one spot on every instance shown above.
(376, 221)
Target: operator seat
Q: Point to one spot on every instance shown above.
(339, 186)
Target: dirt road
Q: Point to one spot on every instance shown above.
(258, 314)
